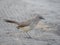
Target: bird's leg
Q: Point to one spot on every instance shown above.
(28, 35)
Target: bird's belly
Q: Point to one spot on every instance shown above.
(25, 29)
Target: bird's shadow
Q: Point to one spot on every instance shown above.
(36, 39)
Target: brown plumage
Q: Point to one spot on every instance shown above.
(28, 24)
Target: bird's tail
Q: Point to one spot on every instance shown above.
(11, 21)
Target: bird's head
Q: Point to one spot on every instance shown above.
(39, 16)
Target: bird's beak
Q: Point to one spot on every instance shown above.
(42, 18)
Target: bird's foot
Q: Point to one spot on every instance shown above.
(28, 37)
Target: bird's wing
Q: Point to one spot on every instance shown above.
(24, 24)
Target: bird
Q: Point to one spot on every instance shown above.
(26, 25)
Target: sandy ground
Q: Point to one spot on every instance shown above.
(47, 32)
